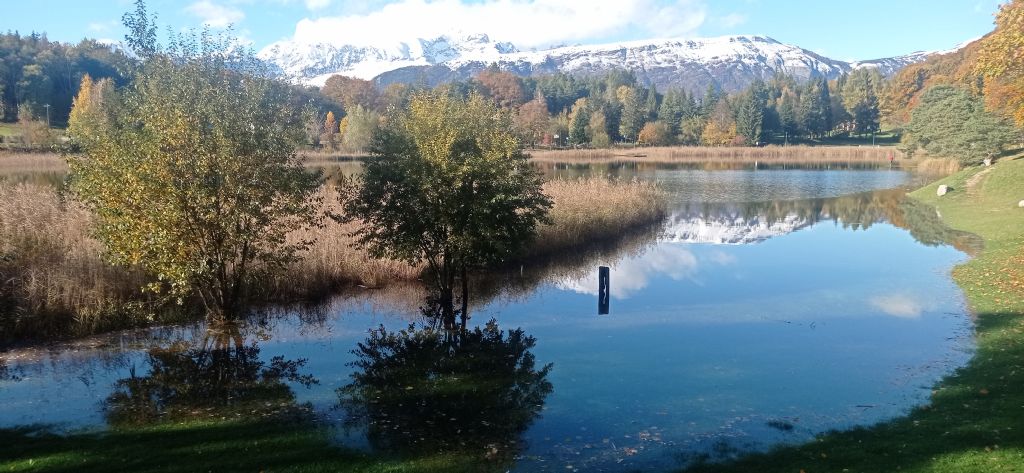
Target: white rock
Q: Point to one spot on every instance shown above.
(1020, 204)
(942, 190)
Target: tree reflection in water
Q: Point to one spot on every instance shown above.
(431, 390)
(219, 377)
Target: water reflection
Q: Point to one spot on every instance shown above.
(752, 317)
(680, 252)
(427, 390)
(216, 376)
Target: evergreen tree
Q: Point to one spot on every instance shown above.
(710, 100)
(815, 111)
(578, 121)
(951, 122)
(750, 112)
(671, 110)
(651, 104)
(633, 112)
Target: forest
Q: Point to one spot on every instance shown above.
(39, 78)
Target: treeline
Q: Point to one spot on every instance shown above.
(39, 80)
(563, 110)
(36, 74)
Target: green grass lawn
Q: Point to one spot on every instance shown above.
(9, 129)
(218, 446)
(975, 422)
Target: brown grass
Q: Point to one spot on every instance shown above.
(334, 260)
(938, 166)
(52, 274)
(780, 154)
(597, 208)
(14, 162)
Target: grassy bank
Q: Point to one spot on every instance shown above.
(54, 282)
(269, 445)
(692, 154)
(975, 421)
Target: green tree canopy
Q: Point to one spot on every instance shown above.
(951, 122)
(449, 185)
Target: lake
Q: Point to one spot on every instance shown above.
(773, 304)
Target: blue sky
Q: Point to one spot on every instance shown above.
(841, 30)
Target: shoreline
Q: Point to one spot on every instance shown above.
(973, 420)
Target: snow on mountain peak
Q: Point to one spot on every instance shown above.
(727, 62)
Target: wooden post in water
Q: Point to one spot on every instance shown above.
(603, 289)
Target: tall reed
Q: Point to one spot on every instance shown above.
(52, 274)
(596, 208)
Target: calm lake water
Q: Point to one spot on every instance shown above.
(772, 305)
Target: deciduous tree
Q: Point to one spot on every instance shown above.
(448, 185)
(191, 171)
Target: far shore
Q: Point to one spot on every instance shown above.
(698, 154)
(28, 162)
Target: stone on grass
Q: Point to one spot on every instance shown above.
(942, 190)
(1020, 204)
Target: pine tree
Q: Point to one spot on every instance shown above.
(651, 104)
(707, 104)
(633, 112)
(579, 118)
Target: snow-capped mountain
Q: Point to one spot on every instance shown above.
(314, 63)
(729, 229)
(729, 62)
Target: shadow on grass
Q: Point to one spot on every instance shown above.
(265, 445)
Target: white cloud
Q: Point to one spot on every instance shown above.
(102, 26)
(631, 275)
(898, 305)
(317, 4)
(722, 258)
(526, 23)
(731, 20)
(214, 15)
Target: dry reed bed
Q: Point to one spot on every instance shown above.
(12, 162)
(54, 280)
(938, 166)
(52, 274)
(781, 154)
(593, 209)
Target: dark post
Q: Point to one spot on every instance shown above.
(603, 288)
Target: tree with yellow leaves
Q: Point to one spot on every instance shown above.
(191, 170)
(330, 131)
(1001, 61)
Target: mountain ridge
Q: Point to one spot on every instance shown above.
(729, 63)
